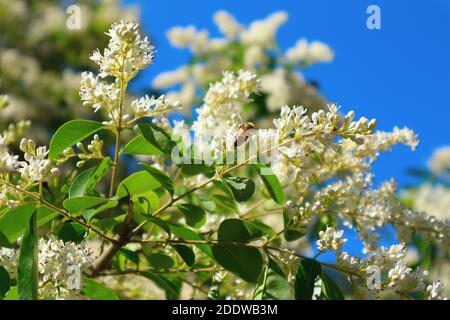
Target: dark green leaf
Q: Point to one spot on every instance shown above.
(188, 234)
(194, 215)
(238, 231)
(171, 285)
(97, 291)
(27, 276)
(271, 182)
(330, 289)
(193, 169)
(307, 273)
(185, 253)
(244, 262)
(273, 284)
(242, 188)
(160, 261)
(5, 282)
(158, 175)
(214, 293)
(71, 133)
(72, 231)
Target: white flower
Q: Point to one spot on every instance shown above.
(311, 53)
(127, 52)
(262, 32)
(36, 166)
(227, 24)
(151, 107)
(435, 290)
(8, 162)
(331, 239)
(440, 162)
(97, 94)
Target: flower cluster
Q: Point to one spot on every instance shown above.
(36, 167)
(331, 239)
(60, 267)
(127, 52)
(440, 162)
(252, 47)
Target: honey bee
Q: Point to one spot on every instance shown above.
(243, 133)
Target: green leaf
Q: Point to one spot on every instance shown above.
(97, 291)
(188, 234)
(72, 231)
(185, 253)
(330, 289)
(242, 188)
(194, 215)
(160, 223)
(193, 169)
(4, 242)
(100, 171)
(91, 213)
(157, 137)
(12, 294)
(158, 175)
(160, 261)
(76, 204)
(78, 186)
(237, 230)
(171, 285)
(5, 282)
(214, 293)
(271, 183)
(138, 183)
(27, 276)
(273, 285)
(307, 273)
(14, 221)
(129, 255)
(244, 262)
(140, 146)
(224, 204)
(71, 133)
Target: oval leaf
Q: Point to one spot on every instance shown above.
(140, 146)
(271, 183)
(273, 285)
(307, 273)
(70, 133)
(138, 183)
(27, 276)
(97, 291)
(158, 175)
(238, 231)
(77, 204)
(194, 215)
(242, 188)
(185, 253)
(157, 137)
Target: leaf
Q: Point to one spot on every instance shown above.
(160, 223)
(307, 273)
(157, 137)
(129, 255)
(194, 215)
(160, 261)
(158, 175)
(244, 262)
(72, 231)
(78, 186)
(14, 221)
(100, 171)
(271, 182)
(27, 276)
(171, 286)
(4, 242)
(5, 282)
(97, 291)
(242, 188)
(214, 293)
(91, 213)
(76, 204)
(224, 203)
(140, 146)
(188, 234)
(237, 230)
(70, 133)
(273, 285)
(193, 169)
(137, 184)
(12, 294)
(185, 253)
(330, 289)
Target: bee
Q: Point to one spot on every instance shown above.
(243, 133)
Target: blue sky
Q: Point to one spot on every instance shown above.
(399, 75)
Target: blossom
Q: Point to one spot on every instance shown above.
(331, 239)
(227, 24)
(36, 166)
(97, 94)
(309, 53)
(60, 267)
(262, 32)
(8, 162)
(440, 162)
(127, 52)
(151, 107)
(434, 291)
